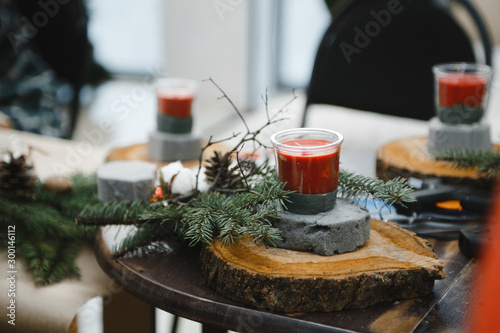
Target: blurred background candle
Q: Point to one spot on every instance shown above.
(461, 92)
(307, 159)
(175, 96)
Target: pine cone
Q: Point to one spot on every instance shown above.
(220, 164)
(16, 176)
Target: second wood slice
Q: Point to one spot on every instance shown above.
(408, 157)
(394, 264)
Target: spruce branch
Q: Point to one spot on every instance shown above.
(486, 162)
(160, 230)
(149, 239)
(109, 213)
(395, 191)
(47, 238)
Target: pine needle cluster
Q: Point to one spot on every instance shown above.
(486, 162)
(394, 191)
(47, 238)
(223, 215)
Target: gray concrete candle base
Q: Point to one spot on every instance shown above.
(168, 147)
(340, 230)
(125, 180)
(462, 137)
(307, 204)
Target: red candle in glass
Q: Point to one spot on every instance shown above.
(307, 160)
(461, 92)
(462, 88)
(175, 102)
(175, 96)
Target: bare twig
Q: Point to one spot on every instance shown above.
(224, 95)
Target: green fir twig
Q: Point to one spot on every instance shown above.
(47, 238)
(395, 191)
(486, 162)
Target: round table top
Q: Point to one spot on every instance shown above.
(174, 282)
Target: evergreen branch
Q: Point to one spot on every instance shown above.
(63, 265)
(49, 260)
(149, 238)
(395, 191)
(84, 192)
(201, 216)
(159, 224)
(227, 217)
(486, 162)
(34, 218)
(108, 213)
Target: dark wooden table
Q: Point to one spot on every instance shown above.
(174, 283)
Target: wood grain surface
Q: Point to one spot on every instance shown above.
(408, 157)
(394, 264)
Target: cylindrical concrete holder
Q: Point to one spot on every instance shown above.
(125, 180)
(339, 230)
(461, 137)
(168, 147)
(174, 125)
(306, 204)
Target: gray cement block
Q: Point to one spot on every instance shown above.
(125, 180)
(343, 229)
(168, 147)
(462, 137)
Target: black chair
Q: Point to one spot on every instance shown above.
(377, 55)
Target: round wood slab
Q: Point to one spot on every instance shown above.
(394, 264)
(408, 157)
(140, 152)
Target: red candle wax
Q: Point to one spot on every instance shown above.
(308, 173)
(461, 89)
(175, 102)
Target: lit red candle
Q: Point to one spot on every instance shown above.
(307, 160)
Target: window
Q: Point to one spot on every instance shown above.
(126, 34)
(301, 27)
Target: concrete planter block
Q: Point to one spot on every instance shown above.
(342, 229)
(168, 147)
(125, 180)
(462, 137)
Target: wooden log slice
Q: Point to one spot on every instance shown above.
(408, 157)
(140, 152)
(394, 264)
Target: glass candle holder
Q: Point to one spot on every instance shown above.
(461, 92)
(175, 96)
(307, 160)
